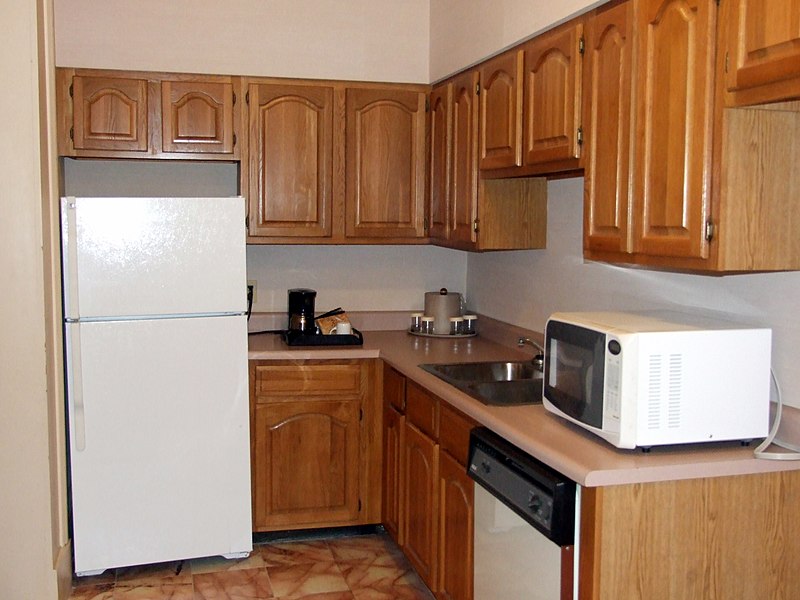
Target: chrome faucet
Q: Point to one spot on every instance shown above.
(526, 340)
(538, 359)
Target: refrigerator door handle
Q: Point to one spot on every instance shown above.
(69, 241)
(75, 391)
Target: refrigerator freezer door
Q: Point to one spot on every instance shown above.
(159, 444)
(132, 257)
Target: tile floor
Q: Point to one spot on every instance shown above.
(363, 567)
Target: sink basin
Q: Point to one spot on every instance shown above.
(507, 393)
(497, 383)
(485, 371)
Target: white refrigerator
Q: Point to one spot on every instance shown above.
(157, 388)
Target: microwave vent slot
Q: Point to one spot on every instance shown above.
(664, 391)
(654, 392)
(675, 391)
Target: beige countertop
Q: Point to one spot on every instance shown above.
(580, 455)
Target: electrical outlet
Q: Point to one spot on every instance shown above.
(252, 284)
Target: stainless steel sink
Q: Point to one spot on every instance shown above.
(498, 383)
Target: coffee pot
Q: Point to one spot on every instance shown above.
(301, 310)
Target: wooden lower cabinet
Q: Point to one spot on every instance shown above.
(420, 500)
(315, 459)
(393, 443)
(456, 514)
(427, 495)
(307, 461)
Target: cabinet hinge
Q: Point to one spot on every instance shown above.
(234, 139)
(234, 98)
(579, 136)
(475, 227)
(359, 505)
(478, 89)
(247, 97)
(709, 230)
(71, 90)
(360, 414)
(72, 133)
(581, 45)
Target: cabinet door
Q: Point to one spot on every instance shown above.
(197, 116)
(673, 136)
(608, 128)
(110, 113)
(306, 463)
(764, 42)
(501, 111)
(456, 514)
(464, 164)
(393, 443)
(441, 124)
(385, 163)
(291, 160)
(553, 69)
(394, 388)
(421, 503)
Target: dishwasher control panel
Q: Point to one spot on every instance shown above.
(542, 496)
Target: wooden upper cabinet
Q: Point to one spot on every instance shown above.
(197, 116)
(764, 49)
(123, 114)
(607, 124)
(552, 94)
(673, 134)
(385, 155)
(501, 111)
(291, 160)
(109, 113)
(440, 160)
(464, 159)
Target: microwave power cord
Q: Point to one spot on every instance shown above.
(760, 451)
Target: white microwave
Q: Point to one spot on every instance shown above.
(657, 378)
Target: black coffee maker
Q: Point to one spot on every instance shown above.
(301, 310)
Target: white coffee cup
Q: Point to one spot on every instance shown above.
(343, 329)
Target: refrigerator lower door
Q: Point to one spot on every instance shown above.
(159, 440)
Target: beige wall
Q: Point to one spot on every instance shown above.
(525, 287)
(370, 40)
(28, 545)
(464, 32)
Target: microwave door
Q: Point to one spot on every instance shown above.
(574, 373)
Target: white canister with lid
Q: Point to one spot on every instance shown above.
(441, 306)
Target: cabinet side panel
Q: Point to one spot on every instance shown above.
(760, 189)
(692, 539)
